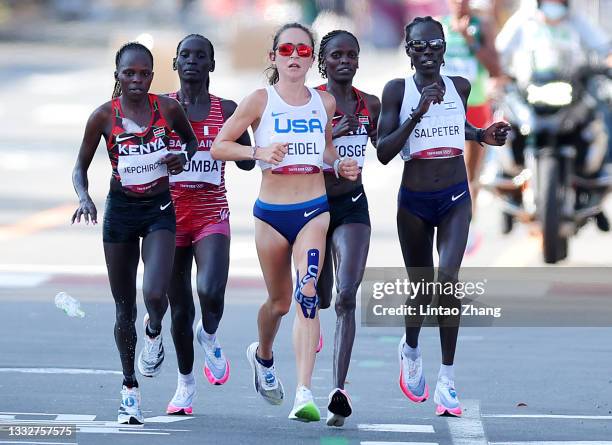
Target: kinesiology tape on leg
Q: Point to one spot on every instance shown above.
(308, 304)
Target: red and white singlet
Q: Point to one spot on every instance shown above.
(135, 157)
(199, 192)
(352, 145)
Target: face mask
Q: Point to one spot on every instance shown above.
(553, 11)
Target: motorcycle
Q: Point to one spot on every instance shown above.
(552, 169)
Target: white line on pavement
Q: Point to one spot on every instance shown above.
(369, 442)
(74, 417)
(546, 416)
(97, 430)
(468, 430)
(556, 442)
(60, 371)
(396, 428)
(21, 280)
(21, 442)
(166, 419)
(72, 269)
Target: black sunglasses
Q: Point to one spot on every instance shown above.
(420, 45)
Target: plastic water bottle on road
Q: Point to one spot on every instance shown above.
(69, 305)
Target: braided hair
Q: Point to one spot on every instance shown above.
(199, 37)
(419, 20)
(272, 71)
(136, 46)
(323, 45)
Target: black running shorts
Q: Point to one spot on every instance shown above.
(348, 208)
(127, 218)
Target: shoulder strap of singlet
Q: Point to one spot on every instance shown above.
(362, 106)
(157, 114)
(215, 105)
(361, 103)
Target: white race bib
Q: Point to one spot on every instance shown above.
(201, 168)
(140, 169)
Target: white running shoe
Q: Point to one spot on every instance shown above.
(129, 410)
(182, 401)
(339, 407)
(152, 354)
(216, 365)
(411, 379)
(264, 379)
(304, 408)
(445, 398)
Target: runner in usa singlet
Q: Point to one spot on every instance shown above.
(302, 127)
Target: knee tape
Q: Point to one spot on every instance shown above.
(309, 305)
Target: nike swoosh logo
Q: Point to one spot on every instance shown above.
(355, 198)
(454, 198)
(124, 138)
(165, 206)
(307, 214)
(278, 114)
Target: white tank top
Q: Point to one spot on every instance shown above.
(302, 127)
(441, 132)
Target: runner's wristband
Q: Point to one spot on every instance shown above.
(480, 136)
(337, 167)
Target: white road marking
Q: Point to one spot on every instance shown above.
(85, 423)
(468, 430)
(72, 371)
(396, 428)
(74, 417)
(546, 416)
(369, 442)
(556, 442)
(20, 442)
(72, 269)
(166, 419)
(22, 280)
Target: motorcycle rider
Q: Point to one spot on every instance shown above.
(520, 34)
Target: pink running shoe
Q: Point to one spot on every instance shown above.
(320, 345)
(445, 398)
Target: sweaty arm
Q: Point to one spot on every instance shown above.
(226, 146)
(391, 135)
(228, 107)
(97, 125)
(373, 105)
(329, 102)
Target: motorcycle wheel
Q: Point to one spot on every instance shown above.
(554, 246)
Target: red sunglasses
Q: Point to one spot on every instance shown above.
(286, 49)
